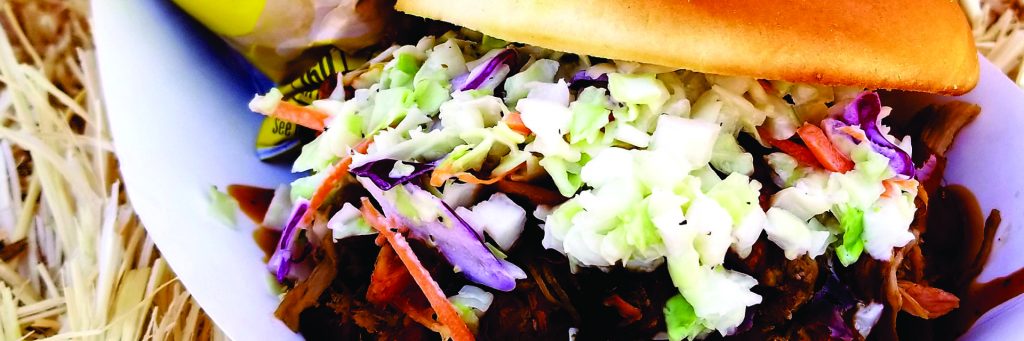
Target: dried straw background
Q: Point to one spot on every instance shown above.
(999, 33)
(75, 262)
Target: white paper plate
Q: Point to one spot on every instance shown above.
(177, 106)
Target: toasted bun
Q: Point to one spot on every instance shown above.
(917, 45)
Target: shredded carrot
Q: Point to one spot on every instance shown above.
(891, 190)
(826, 153)
(308, 117)
(446, 313)
(389, 276)
(442, 174)
(854, 132)
(332, 181)
(802, 155)
(522, 173)
(904, 184)
(535, 194)
(520, 177)
(627, 311)
(893, 187)
(392, 284)
(515, 122)
(923, 194)
(470, 178)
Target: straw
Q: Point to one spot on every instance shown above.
(86, 270)
(999, 33)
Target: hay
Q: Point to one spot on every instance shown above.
(76, 263)
(999, 33)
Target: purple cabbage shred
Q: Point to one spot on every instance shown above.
(927, 169)
(453, 238)
(283, 259)
(582, 80)
(827, 307)
(863, 112)
(379, 172)
(479, 75)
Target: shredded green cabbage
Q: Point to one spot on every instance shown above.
(305, 186)
(403, 70)
(467, 111)
(638, 90)
(472, 302)
(313, 157)
(785, 167)
(589, 115)
(887, 225)
(348, 222)
(480, 146)
(389, 107)
(343, 131)
(728, 157)
(429, 94)
(643, 207)
(739, 196)
(682, 321)
(517, 86)
(796, 236)
(546, 112)
(852, 223)
(391, 144)
(490, 43)
(431, 86)
(223, 207)
(565, 174)
(446, 57)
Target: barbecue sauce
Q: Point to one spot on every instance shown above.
(254, 202)
(956, 208)
(982, 297)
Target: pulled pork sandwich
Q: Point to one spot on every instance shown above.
(625, 170)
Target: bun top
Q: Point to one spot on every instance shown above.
(916, 45)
